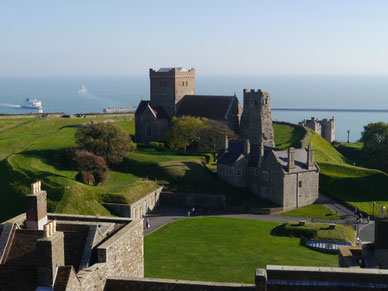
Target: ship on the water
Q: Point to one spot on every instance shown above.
(129, 109)
(32, 104)
(83, 90)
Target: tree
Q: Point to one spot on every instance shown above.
(375, 145)
(185, 131)
(92, 169)
(107, 140)
(212, 137)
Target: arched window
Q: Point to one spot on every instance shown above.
(187, 83)
(183, 83)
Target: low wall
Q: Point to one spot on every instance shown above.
(136, 284)
(290, 278)
(138, 208)
(188, 200)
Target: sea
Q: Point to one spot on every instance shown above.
(329, 92)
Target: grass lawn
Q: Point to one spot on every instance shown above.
(287, 136)
(223, 250)
(313, 211)
(33, 149)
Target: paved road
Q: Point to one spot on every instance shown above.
(346, 213)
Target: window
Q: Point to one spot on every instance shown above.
(183, 83)
(238, 173)
(300, 184)
(160, 84)
(256, 102)
(187, 83)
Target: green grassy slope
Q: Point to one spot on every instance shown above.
(287, 136)
(357, 186)
(223, 250)
(34, 149)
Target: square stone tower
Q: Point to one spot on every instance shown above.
(169, 85)
(256, 120)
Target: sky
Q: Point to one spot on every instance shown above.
(121, 37)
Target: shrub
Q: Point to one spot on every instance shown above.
(318, 231)
(161, 146)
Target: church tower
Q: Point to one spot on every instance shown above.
(256, 120)
(169, 85)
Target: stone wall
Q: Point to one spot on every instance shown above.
(188, 200)
(237, 175)
(300, 189)
(120, 255)
(135, 284)
(138, 208)
(149, 128)
(290, 278)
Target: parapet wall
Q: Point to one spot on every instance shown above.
(120, 255)
(136, 284)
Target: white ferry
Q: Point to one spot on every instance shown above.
(32, 104)
(83, 90)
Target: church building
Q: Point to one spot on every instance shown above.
(173, 94)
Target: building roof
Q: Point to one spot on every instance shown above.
(236, 149)
(158, 111)
(208, 106)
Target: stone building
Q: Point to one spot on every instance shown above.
(172, 93)
(41, 251)
(256, 120)
(289, 178)
(324, 127)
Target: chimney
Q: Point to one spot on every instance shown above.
(310, 157)
(36, 207)
(226, 144)
(291, 160)
(247, 147)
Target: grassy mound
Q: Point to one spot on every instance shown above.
(287, 136)
(357, 186)
(33, 149)
(223, 250)
(313, 211)
(352, 152)
(316, 231)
